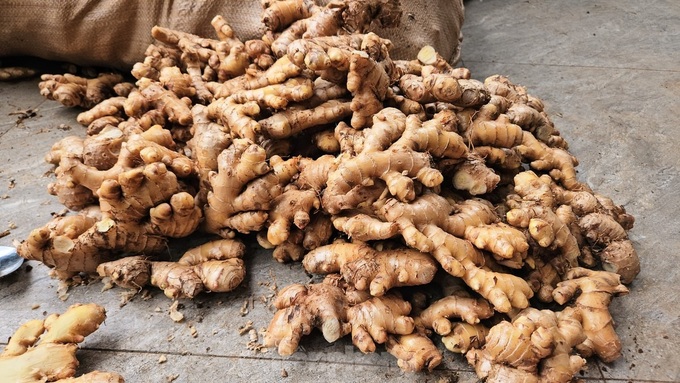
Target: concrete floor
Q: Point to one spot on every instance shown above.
(609, 73)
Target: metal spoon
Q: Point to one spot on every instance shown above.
(10, 261)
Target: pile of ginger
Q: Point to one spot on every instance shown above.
(387, 176)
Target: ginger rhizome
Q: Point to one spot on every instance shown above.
(368, 269)
(337, 312)
(596, 291)
(303, 308)
(45, 350)
(375, 172)
(141, 204)
(213, 267)
(537, 346)
(71, 90)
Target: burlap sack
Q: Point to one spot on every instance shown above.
(115, 33)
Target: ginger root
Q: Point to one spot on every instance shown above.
(45, 350)
(596, 291)
(464, 337)
(303, 308)
(312, 135)
(377, 317)
(369, 269)
(513, 350)
(72, 91)
(140, 225)
(414, 352)
(244, 187)
(214, 266)
(437, 315)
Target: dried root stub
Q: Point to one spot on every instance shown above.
(45, 350)
(213, 267)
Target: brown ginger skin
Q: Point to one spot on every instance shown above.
(491, 128)
(368, 82)
(444, 88)
(390, 268)
(151, 95)
(71, 90)
(426, 225)
(552, 225)
(397, 150)
(239, 111)
(318, 232)
(16, 72)
(548, 230)
(126, 224)
(293, 206)
(244, 187)
(464, 337)
(280, 14)
(281, 70)
(331, 258)
(508, 245)
(76, 174)
(394, 167)
(208, 141)
(179, 83)
(619, 255)
(293, 121)
(111, 107)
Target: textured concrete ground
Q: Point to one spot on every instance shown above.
(609, 73)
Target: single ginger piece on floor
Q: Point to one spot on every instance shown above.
(377, 317)
(45, 350)
(303, 308)
(214, 266)
(415, 352)
(71, 90)
(596, 291)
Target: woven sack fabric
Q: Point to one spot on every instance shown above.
(115, 33)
